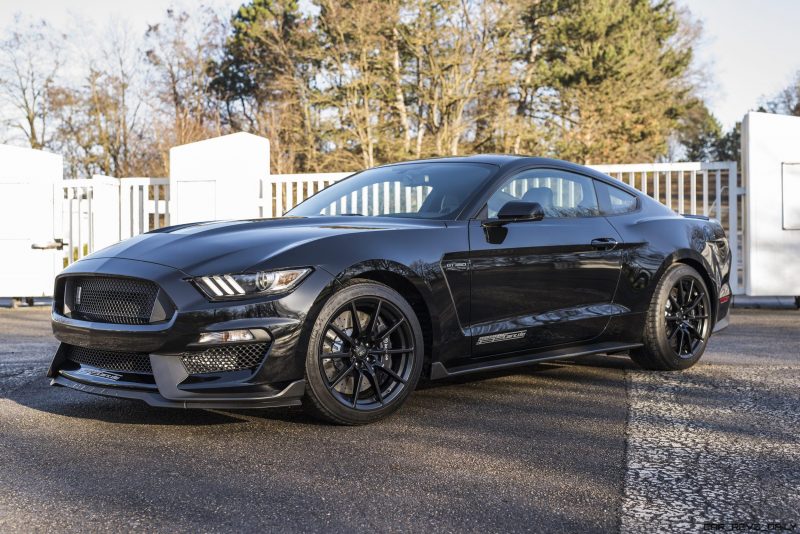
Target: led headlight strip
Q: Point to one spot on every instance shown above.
(225, 286)
(222, 285)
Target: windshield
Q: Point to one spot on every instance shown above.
(432, 190)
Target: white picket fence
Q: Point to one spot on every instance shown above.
(103, 210)
(282, 192)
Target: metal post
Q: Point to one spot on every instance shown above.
(733, 225)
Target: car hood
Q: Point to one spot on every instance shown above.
(221, 247)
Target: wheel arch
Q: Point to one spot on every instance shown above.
(410, 286)
(712, 287)
(696, 261)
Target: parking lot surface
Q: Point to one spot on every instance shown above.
(592, 445)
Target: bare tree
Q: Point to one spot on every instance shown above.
(101, 123)
(179, 51)
(787, 101)
(451, 44)
(30, 61)
(357, 54)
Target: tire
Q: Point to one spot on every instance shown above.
(360, 371)
(679, 321)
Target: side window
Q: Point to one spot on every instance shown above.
(615, 201)
(560, 193)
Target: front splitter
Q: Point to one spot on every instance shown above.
(291, 395)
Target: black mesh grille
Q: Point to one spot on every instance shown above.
(227, 358)
(113, 300)
(132, 362)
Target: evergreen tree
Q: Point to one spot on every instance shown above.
(699, 132)
(266, 81)
(620, 70)
(729, 146)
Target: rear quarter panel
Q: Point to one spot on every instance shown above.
(656, 238)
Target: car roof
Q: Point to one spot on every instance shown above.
(509, 161)
(500, 160)
(492, 159)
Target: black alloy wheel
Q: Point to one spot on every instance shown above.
(364, 355)
(678, 322)
(687, 317)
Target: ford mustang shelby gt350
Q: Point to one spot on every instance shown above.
(426, 269)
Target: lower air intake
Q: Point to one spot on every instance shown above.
(127, 362)
(225, 358)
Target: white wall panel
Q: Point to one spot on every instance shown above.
(233, 164)
(770, 154)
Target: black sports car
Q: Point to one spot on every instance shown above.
(431, 268)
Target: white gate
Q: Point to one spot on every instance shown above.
(29, 221)
(771, 161)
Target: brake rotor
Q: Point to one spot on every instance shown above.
(332, 368)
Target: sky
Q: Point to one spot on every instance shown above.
(138, 12)
(748, 49)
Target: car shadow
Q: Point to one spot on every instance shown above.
(496, 448)
(61, 401)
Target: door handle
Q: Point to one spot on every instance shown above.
(604, 243)
(57, 244)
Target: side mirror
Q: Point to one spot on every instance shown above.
(517, 211)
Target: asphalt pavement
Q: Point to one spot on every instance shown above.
(592, 445)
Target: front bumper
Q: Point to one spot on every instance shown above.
(277, 380)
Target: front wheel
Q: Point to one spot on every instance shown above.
(365, 355)
(678, 321)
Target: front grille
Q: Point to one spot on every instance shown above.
(131, 362)
(108, 299)
(226, 358)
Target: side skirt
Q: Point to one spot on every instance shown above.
(439, 371)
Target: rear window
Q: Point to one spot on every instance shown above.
(614, 201)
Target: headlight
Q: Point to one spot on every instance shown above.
(237, 286)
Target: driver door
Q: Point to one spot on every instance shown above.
(538, 284)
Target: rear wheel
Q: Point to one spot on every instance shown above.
(364, 355)
(678, 321)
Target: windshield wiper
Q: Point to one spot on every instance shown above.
(350, 214)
